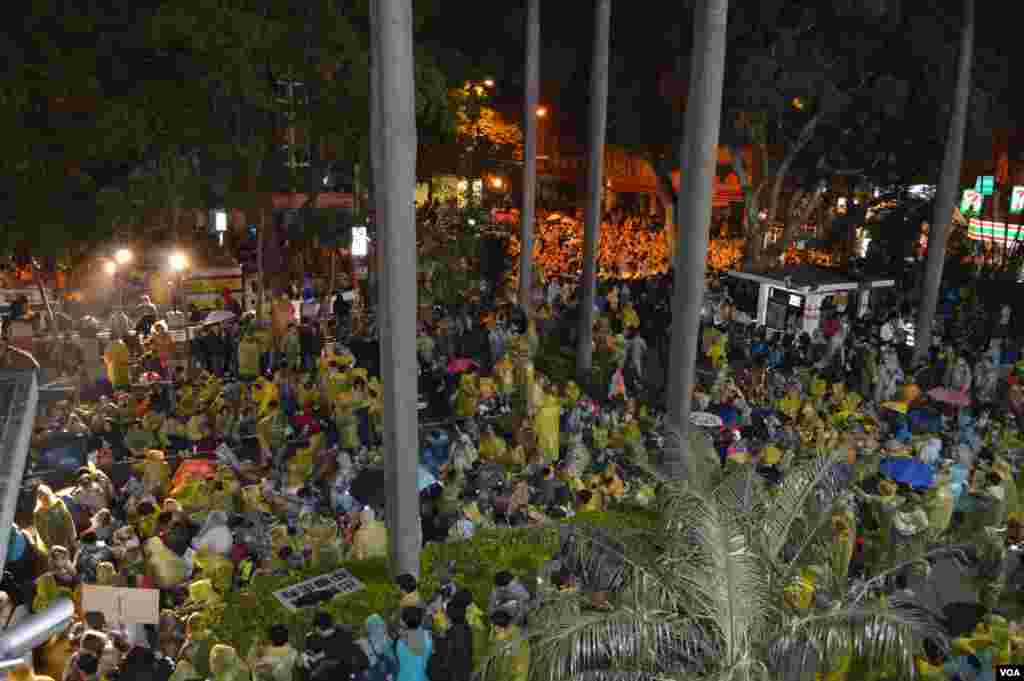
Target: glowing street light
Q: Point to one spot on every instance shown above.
(123, 256)
(497, 182)
(178, 261)
(542, 111)
(110, 267)
(488, 83)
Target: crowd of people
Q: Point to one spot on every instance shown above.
(254, 460)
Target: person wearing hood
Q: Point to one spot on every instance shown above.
(215, 536)
(509, 595)
(509, 649)
(380, 649)
(414, 647)
(371, 539)
(273, 659)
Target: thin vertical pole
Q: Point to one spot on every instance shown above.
(527, 216)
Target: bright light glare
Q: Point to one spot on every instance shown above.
(110, 267)
(497, 183)
(123, 256)
(360, 242)
(489, 83)
(220, 221)
(178, 261)
(542, 111)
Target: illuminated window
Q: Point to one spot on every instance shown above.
(360, 242)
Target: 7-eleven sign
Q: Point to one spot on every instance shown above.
(1017, 200)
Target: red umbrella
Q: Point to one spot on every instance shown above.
(953, 398)
(462, 364)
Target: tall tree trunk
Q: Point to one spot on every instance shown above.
(527, 217)
(595, 186)
(700, 159)
(949, 187)
(396, 186)
(375, 259)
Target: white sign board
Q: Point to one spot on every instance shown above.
(1017, 200)
(312, 592)
(121, 605)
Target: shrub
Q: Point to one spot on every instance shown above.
(523, 552)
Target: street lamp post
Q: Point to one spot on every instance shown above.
(121, 258)
(179, 263)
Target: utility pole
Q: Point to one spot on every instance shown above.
(527, 216)
(395, 189)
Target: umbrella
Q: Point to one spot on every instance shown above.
(954, 398)
(218, 317)
(703, 419)
(462, 364)
(908, 471)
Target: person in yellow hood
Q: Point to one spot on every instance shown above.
(117, 359)
(509, 649)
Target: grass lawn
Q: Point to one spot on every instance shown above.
(248, 614)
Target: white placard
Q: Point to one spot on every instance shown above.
(122, 605)
(341, 582)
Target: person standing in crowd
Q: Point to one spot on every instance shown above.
(230, 304)
(414, 647)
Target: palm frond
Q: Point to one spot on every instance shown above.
(720, 572)
(880, 636)
(573, 641)
(788, 502)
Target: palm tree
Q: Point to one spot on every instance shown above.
(595, 186)
(391, 36)
(949, 187)
(722, 589)
(527, 214)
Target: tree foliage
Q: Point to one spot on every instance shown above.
(819, 91)
(167, 87)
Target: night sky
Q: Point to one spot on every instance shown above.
(647, 35)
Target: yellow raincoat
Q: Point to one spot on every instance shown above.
(345, 406)
(467, 398)
(511, 654)
(117, 359)
(546, 424)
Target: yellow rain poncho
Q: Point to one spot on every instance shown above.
(546, 424)
(467, 398)
(345, 420)
(53, 523)
(118, 359)
(511, 655)
(371, 539)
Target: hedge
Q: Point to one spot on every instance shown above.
(248, 614)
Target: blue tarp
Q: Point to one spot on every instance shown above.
(908, 472)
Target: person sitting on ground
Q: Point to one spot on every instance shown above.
(407, 585)
(273, 659)
(509, 595)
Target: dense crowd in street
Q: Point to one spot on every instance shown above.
(261, 454)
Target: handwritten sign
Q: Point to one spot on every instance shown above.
(121, 605)
(312, 592)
